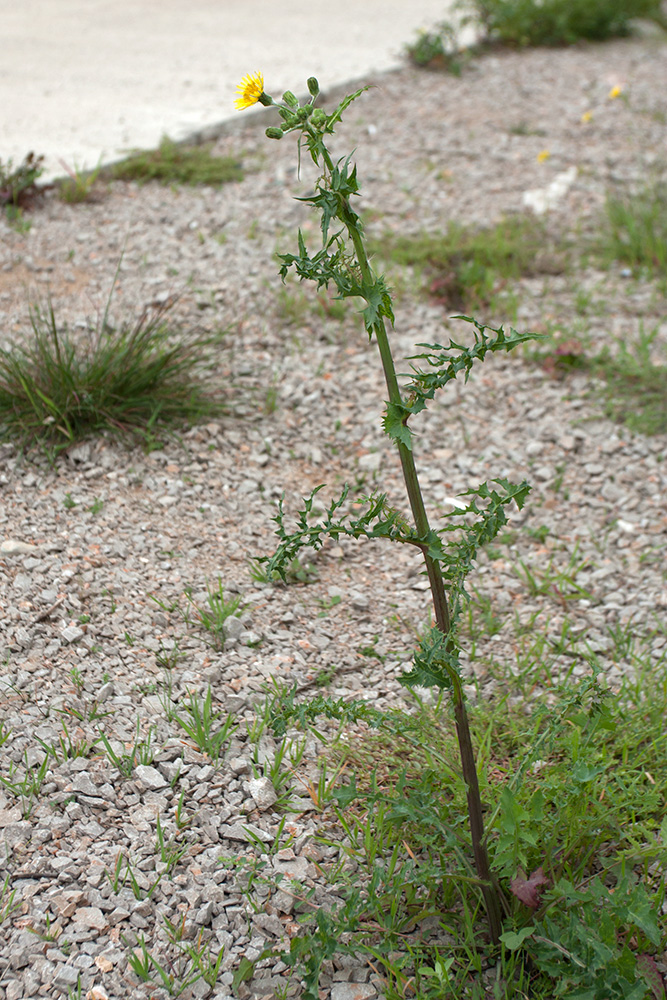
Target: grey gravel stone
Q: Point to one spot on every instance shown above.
(150, 777)
(72, 633)
(352, 991)
(14, 547)
(263, 792)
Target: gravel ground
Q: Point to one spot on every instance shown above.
(89, 544)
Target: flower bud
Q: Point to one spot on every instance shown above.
(274, 133)
(290, 99)
(318, 116)
(313, 86)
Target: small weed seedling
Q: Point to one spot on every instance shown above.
(142, 888)
(437, 49)
(214, 614)
(199, 724)
(79, 184)
(142, 751)
(18, 184)
(7, 904)
(25, 783)
(170, 851)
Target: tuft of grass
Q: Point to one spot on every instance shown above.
(559, 22)
(637, 230)
(136, 379)
(466, 268)
(79, 184)
(213, 616)
(172, 163)
(203, 727)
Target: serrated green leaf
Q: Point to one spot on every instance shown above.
(435, 662)
(345, 795)
(395, 423)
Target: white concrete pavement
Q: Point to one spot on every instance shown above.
(83, 81)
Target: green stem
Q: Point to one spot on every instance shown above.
(490, 889)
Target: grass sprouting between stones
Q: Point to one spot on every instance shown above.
(465, 268)
(172, 163)
(630, 383)
(637, 230)
(140, 379)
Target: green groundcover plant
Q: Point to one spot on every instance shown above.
(525, 23)
(342, 261)
(559, 22)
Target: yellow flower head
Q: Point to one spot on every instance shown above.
(587, 117)
(249, 91)
(614, 92)
(544, 155)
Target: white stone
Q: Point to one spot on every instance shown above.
(149, 777)
(263, 792)
(239, 831)
(352, 991)
(11, 547)
(90, 916)
(72, 633)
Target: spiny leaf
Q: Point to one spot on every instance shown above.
(449, 364)
(395, 425)
(435, 662)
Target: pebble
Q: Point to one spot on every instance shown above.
(72, 633)
(12, 547)
(150, 777)
(352, 991)
(89, 917)
(263, 793)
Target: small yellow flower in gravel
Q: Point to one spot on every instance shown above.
(544, 155)
(249, 91)
(587, 117)
(614, 92)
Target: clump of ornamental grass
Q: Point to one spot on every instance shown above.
(140, 379)
(489, 866)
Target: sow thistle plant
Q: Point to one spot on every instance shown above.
(342, 261)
